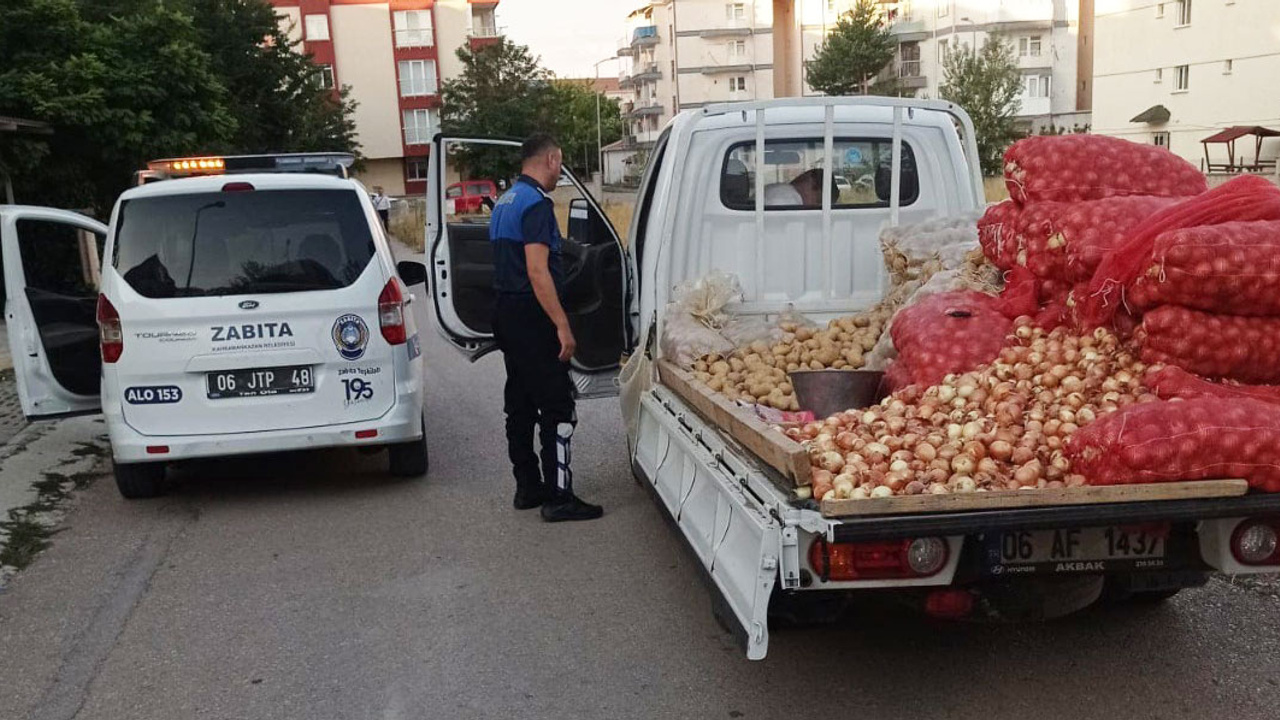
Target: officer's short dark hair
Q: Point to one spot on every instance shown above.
(537, 144)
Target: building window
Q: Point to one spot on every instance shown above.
(417, 77)
(1159, 75)
(416, 168)
(413, 28)
(831, 6)
(1159, 10)
(944, 8)
(1038, 86)
(1029, 46)
(1227, 66)
(736, 11)
(317, 28)
(738, 84)
(738, 49)
(1183, 81)
(1160, 139)
(324, 76)
(417, 127)
(944, 50)
(910, 63)
(1184, 12)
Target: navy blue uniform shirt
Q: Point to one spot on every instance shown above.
(524, 214)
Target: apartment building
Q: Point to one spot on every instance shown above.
(1177, 72)
(1053, 40)
(393, 54)
(681, 54)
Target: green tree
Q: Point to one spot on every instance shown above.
(854, 54)
(986, 83)
(573, 117)
(125, 81)
(501, 92)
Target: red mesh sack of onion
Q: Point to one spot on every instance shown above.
(1070, 168)
(946, 333)
(1233, 269)
(996, 234)
(1202, 439)
(1246, 349)
(1172, 382)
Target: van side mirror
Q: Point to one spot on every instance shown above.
(412, 273)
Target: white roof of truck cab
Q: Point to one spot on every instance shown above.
(795, 111)
(260, 181)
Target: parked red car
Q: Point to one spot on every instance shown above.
(468, 197)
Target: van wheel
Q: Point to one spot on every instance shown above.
(410, 459)
(137, 481)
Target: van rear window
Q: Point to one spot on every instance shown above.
(793, 174)
(237, 243)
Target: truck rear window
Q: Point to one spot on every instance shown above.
(236, 243)
(793, 174)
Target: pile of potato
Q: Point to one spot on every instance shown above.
(757, 373)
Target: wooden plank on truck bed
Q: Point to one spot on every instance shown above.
(959, 502)
(777, 450)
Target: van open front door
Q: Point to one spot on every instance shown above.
(597, 284)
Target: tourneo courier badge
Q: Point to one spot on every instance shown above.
(350, 335)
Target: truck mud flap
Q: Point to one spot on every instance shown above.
(727, 528)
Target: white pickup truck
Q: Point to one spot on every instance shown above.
(705, 203)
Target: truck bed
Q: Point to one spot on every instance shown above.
(791, 461)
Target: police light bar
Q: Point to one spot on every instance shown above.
(329, 163)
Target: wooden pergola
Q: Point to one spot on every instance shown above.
(1228, 137)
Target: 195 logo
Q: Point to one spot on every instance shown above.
(358, 390)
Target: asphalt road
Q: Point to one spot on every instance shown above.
(315, 587)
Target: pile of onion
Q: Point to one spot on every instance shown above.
(1000, 427)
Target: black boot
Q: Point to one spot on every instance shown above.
(568, 508)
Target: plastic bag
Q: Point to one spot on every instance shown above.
(1216, 346)
(1233, 269)
(1246, 198)
(694, 318)
(1173, 382)
(1070, 168)
(916, 251)
(743, 330)
(948, 333)
(1200, 439)
(636, 378)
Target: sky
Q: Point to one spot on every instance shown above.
(570, 35)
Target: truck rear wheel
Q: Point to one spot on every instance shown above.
(137, 481)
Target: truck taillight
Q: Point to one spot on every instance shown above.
(110, 335)
(391, 313)
(880, 560)
(1257, 542)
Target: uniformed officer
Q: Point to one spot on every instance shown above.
(533, 333)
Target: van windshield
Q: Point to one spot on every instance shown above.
(236, 243)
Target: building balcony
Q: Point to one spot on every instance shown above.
(646, 110)
(909, 31)
(646, 36)
(909, 75)
(648, 73)
(482, 35)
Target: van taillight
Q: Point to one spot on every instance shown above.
(391, 313)
(110, 336)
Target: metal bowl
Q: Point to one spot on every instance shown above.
(827, 392)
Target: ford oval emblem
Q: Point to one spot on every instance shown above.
(248, 304)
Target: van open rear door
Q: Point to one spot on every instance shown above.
(51, 274)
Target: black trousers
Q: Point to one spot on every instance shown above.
(538, 393)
